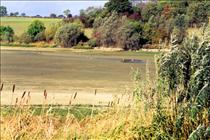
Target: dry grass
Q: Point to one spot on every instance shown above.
(119, 120)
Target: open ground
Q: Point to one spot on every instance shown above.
(64, 72)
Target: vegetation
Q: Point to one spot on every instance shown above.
(69, 35)
(3, 11)
(35, 30)
(146, 24)
(6, 34)
(175, 105)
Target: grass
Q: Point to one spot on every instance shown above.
(78, 111)
(20, 24)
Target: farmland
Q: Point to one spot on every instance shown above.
(20, 24)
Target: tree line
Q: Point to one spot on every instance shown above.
(124, 24)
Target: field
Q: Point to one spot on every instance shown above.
(20, 24)
(63, 72)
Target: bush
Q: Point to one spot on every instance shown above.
(119, 32)
(50, 31)
(69, 35)
(25, 38)
(40, 37)
(6, 33)
(130, 35)
(92, 43)
(35, 28)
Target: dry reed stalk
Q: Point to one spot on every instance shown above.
(13, 88)
(29, 95)
(95, 91)
(75, 95)
(2, 85)
(45, 94)
(16, 101)
(118, 101)
(23, 95)
(108, 104)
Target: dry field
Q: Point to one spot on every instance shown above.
(63, 72)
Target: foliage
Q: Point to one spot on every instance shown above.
(118, 32)
(88, 16)
(119, 6)
(130, 35)
(52, 15)
(35, 28)
(3, 11)
(186, 70)
(50, 31)
(92, 43)
(40, 36)
(25, 38)
(198, 13)
(69, 35)
(6, 33)
(67, 12)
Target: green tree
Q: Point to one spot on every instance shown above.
(67, 12)
(198, 13)
(88, 16)
(6, 33)
(35, 28)
(69, 35)
(119, 6)
(149, 10)
(3, 11)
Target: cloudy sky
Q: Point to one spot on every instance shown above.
(44, 8)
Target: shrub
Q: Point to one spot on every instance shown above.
(69, 35)
(92, 43)
(6, 33)
(51, 30)
(130, 35)
(118, 31)
(35, 28)
(40, 36)
(25, 38)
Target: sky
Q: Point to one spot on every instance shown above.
(45, 8)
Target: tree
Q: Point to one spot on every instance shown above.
(130, 35)
(198, 13)
(16, 14)
(61, 16)
(6, 33)
(23, 14)
(119, 6)
(149, 10)
(69, 35)
(52, 15)
(3, 11)
(88, 16)
(66, 12)
(35, 28)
